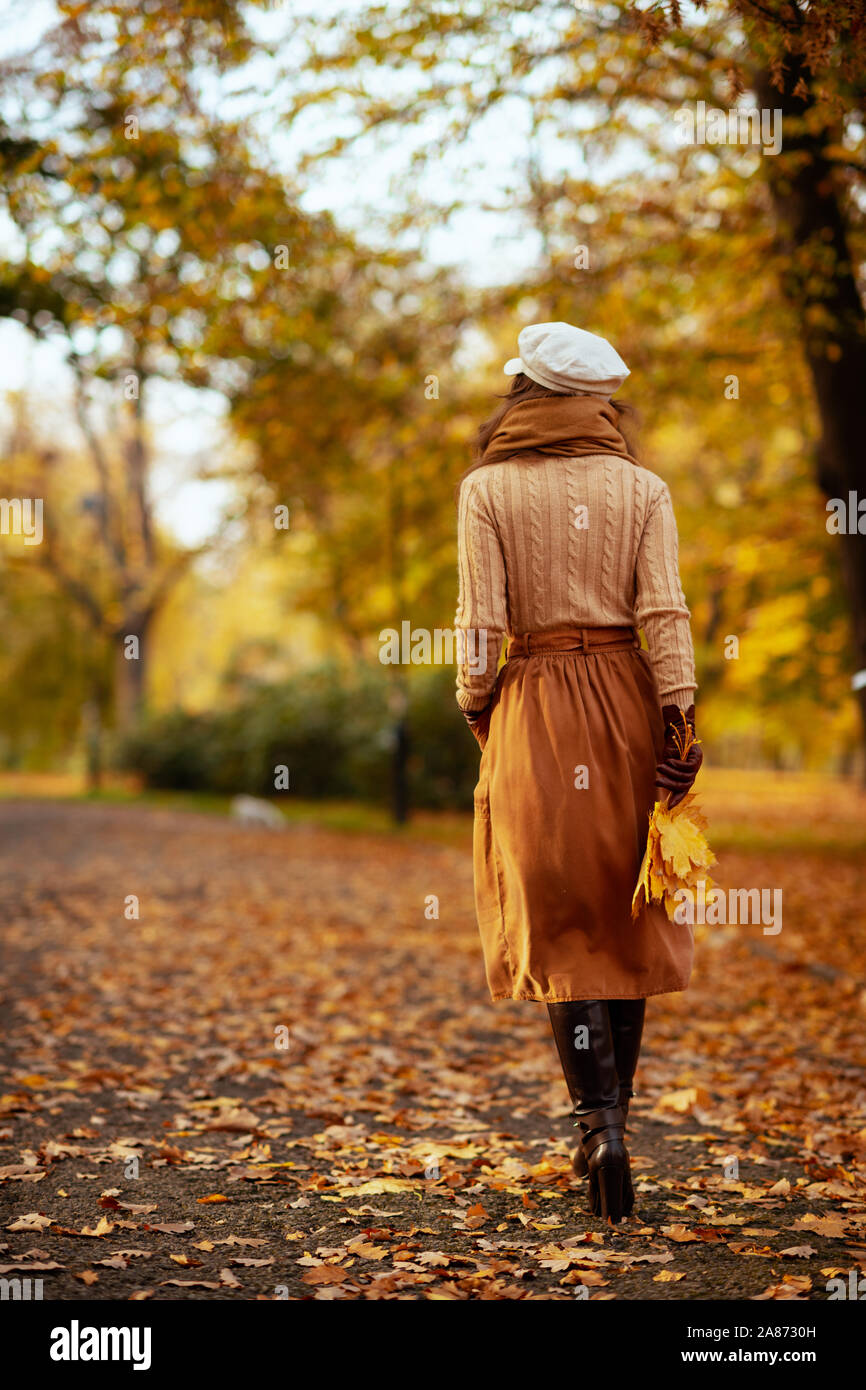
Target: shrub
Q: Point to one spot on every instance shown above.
(334, 732)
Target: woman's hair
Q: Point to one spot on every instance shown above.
(523, 388)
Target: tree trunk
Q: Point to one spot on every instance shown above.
(400, 773)
(820, 283)
(91, 722)
(130, 677)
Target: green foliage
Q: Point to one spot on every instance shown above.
(334, 733)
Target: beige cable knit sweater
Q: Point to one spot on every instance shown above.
(587, 542)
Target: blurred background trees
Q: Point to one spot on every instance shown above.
(168, 171)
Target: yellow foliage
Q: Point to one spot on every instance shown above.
(677, 855)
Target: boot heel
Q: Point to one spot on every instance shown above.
(610, 1179)
(579, 1163)
(610, 1194)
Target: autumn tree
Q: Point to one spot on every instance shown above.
(148, 228)
(593, 84)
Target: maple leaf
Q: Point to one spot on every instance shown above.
(325, 1274)
(592, 1278)
(31, 1264)
(367, 1251)
(379, 1185)
(685, 1101)
(235, 1122)
(676, 855)
(793, 1287)
(833, 1226)
(103, 1227)
(21, 1172)
(33, 1221)
(680, 1234)
(190, 1283)
(170, 1153)
(238, 1240)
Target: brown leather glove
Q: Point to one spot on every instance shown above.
(479, 722)
(676, 773)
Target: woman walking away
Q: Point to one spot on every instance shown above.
(568, 545)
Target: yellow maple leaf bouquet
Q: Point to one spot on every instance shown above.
(677, 855)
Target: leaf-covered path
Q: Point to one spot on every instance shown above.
(158, 1139)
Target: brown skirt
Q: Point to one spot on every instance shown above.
(562, 805)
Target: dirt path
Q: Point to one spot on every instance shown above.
(157, 1140)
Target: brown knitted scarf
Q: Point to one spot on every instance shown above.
(556, 426)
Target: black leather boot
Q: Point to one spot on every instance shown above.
(626, 1025)
(584, 1040)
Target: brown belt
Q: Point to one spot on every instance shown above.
(572, 639)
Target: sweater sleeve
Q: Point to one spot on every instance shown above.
(660, 605)
(482, 604)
